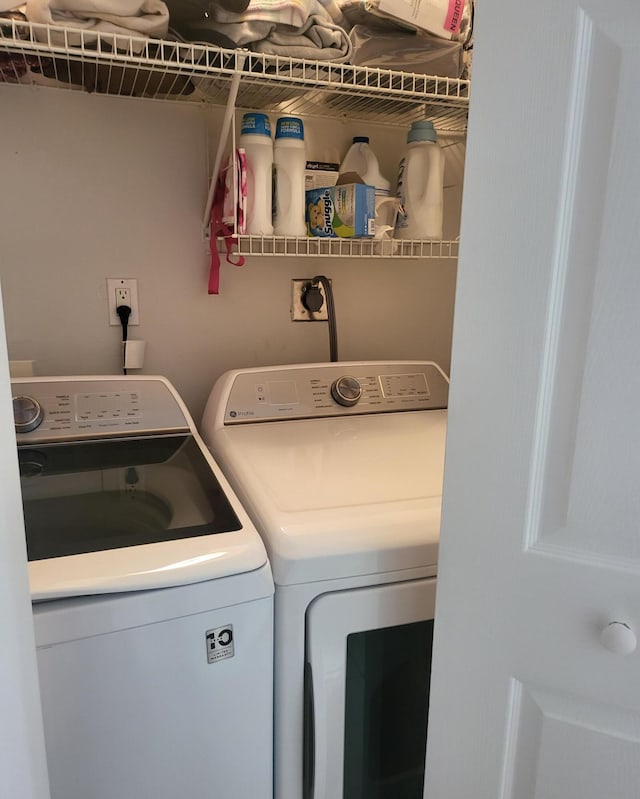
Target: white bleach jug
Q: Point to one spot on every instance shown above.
(420, 185)
(360, 158)
(255, 140)
(289, 162)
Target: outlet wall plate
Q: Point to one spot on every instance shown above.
(298, 312)
(131, 285)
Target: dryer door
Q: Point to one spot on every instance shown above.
(368, 668)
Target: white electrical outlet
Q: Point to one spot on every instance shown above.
(298, 312)
(122, 291)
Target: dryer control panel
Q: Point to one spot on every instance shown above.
(335, 389)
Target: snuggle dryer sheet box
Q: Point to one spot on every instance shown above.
(346, 210)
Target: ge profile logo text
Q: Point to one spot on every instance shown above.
(241, 414)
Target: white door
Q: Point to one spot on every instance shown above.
(541, 517)
(23, 768)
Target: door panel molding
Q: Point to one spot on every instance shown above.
(589, 137)
(555, 741)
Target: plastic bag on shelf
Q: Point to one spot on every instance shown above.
(408, 51)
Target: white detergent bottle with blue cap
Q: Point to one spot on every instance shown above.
(289, 162)
(255, 140)
(421, 185)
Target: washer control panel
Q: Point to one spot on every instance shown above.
(50, 409)
(336, 389)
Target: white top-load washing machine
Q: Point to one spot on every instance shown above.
(340, 466)
(152, 597)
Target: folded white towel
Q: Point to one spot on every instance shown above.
(317, 39)
(296, 28)
(11, 5)
(140, 18)
(282, 12)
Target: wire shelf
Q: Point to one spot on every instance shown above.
(352, 248)
(163, 69)
(170, 70)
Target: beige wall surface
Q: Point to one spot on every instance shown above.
(96, 187)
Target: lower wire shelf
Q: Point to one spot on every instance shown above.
(353, 248)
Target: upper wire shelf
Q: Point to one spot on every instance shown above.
(50, 55)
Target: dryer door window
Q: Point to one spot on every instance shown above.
(386, 708)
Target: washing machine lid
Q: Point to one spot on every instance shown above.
(343, 496)
(124, 500)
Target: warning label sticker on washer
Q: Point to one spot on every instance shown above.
(219, 643)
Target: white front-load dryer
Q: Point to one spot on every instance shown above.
(340, 466)
(152, 597)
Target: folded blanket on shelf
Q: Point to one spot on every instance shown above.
(294, 13)
(126, 18)
(295, 28)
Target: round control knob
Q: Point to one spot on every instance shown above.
(32, 462)
(27, 414)
(618, 638)
(346, 391)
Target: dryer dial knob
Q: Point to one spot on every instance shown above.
(346, 391)
(27, 414)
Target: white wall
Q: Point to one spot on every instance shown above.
(96, 187)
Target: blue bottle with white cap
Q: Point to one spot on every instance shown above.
(255, 140)
(289, 162)
(421, 185)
